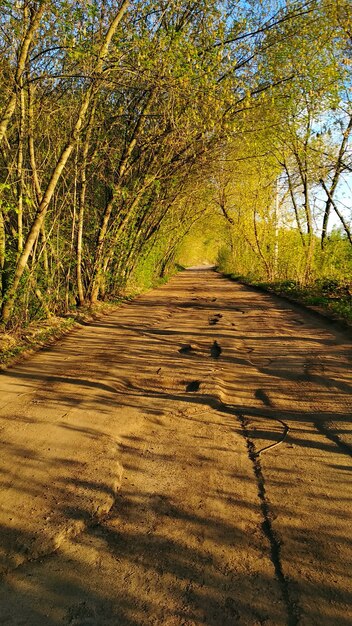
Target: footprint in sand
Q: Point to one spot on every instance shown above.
(186, 349)
(193, 385)
(215, 350)
(215, 319)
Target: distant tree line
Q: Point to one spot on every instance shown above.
(123, 124)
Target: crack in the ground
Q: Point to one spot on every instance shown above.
(79, 523)
(260, 394)
(293, 614)
(53, 544)
(292, 610)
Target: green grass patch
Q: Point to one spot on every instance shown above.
(331, 295)
(33, 337)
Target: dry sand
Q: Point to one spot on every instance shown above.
(140, 480)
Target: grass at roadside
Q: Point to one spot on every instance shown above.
(328, 295)
(18, 342)
(23, 340)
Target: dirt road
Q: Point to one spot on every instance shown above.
(184, 461)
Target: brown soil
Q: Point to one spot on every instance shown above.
(183, 461)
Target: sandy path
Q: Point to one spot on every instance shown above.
(171, 399)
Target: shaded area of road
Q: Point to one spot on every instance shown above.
(176, 399)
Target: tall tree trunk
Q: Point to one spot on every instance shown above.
(303, 172)
(20, 170)
(330, 193)
(2, 247)
(294, 204)
(268, 269)
(21, 64)
(338, 213)
(310, 247)
(10, 296)
(81, 204)
(31, 149)
(35, 175)
(95, 281)
(73, 233)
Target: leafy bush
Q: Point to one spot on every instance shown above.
(333, 295)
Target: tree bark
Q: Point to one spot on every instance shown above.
(21, 65)
(10, 296)
(294, 203)
(94, 285)
(339, 215)
(81, 205)
(20, 170)
(339, 168)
